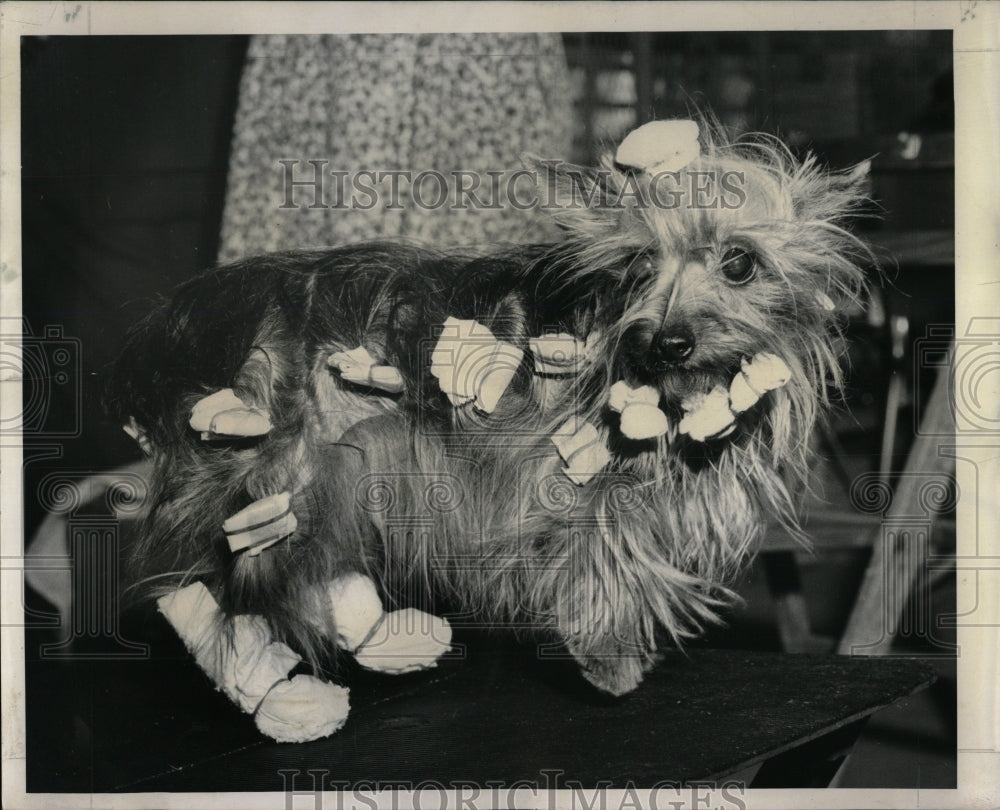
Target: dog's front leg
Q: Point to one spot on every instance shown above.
(603, 624)
(613, 664)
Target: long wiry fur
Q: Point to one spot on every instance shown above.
(423, 496)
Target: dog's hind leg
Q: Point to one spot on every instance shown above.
(251, 668)
(396, 642)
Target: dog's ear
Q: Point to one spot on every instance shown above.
(830, 196)
(853, 183)
(580, 199)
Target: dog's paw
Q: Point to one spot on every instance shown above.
(616, 675)
(302, 709)
(405, 641)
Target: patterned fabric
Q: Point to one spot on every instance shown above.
(441, 102)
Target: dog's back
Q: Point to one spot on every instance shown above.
(265, 328)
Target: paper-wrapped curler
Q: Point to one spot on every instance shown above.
(302, 709)
(763, 373)
(404, 641)
(262, 524)
(471, 365)
(359, 367)
(583, 451)
(224, 415)
(245, 669)
(356, 608)
(660, 146)
(708, 416)
(558, 355)
(639, 407)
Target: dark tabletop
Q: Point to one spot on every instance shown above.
(496, 710)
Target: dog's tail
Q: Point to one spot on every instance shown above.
(240, 328)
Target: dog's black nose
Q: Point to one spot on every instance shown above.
(674, 347)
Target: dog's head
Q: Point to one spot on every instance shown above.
(698, 256)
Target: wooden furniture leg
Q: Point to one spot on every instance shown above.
(896, 560)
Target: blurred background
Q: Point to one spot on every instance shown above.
(145, 158)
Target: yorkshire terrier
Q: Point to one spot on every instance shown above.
(584, 437)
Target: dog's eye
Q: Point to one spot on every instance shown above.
(739, 266)
(640, 260)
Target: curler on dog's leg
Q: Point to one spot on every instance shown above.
(252, 669)
(397, 642)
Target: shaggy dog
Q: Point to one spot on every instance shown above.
(585, 438)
